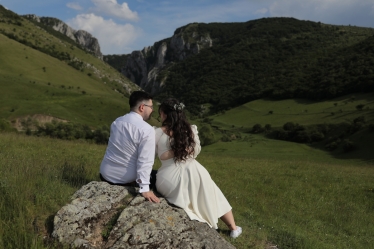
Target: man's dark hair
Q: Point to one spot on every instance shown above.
(137, 97)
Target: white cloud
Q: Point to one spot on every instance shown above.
(112, 8)
(113, 38)
(74, 6)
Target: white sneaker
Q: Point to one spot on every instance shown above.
(235, 233)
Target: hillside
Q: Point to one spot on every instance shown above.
(46, 75)
(279, 58)
(261, 127)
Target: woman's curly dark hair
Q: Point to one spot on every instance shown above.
(178, 128)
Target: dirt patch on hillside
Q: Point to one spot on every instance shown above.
(31, 121)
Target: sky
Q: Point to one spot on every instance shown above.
(124, 26)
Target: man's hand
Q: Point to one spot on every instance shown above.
(150, 196)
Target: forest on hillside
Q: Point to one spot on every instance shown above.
(275, 58)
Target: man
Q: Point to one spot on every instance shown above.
(130, 154)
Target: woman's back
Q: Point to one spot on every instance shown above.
(163, 147)
(188, 184)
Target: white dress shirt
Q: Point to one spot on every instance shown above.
(130, 153)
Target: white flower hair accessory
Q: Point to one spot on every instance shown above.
(179, 107)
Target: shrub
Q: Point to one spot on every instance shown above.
(360, 107)
(225, 138)
(354, 127)
(267, 127)
(282, 135)
(6, 126)
(360, 119)
(206, 135)
(331, 146)
(257, 128)
(317, 136)
(289, 126)
(348, 145)
(302, 137)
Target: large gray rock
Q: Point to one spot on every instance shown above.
(136, 223)
(81, 37)
(145, 67)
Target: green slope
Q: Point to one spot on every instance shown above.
(338, 114)
(305, 112)
(42, 74)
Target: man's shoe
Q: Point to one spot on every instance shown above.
(235, 233)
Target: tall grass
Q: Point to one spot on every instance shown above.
(294, 202)
(37, 177)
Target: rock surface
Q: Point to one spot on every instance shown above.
(126, 220)
(145, 67)
(83, 38)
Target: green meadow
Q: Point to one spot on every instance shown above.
(282, 193)
(47, 75)
(306, 112)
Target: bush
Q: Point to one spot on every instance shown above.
(317, 136)
(225, 138)
(348, 145)
(257, 128)
(6, 126)
(289, 126)
(360, 119)
(282, 135)
(360, 107)
(206, 135)
(267, 127)
(70, 131)
(331, 146)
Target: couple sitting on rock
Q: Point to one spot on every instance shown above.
(182, 180)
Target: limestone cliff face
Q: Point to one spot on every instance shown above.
(83, 38)
(148, 67)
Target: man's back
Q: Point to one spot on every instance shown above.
(128, 135)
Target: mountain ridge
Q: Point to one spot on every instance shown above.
(82, 37)
(269, 57)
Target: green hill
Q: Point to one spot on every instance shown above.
(333, 123)
(276, 58)
(43, 76)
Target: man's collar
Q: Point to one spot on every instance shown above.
(136, 114)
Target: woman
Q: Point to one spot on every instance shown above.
(182, 180)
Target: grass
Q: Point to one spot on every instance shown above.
(239, 121)
(304, 112)
(294, 201)
(33, 82)
(27, 90)
(37, 178)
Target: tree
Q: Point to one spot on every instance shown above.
(257, 128)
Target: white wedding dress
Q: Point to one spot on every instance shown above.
(188, 184)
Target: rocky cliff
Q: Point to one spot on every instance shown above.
(83, 38)
(148, 67)
(105, 216)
